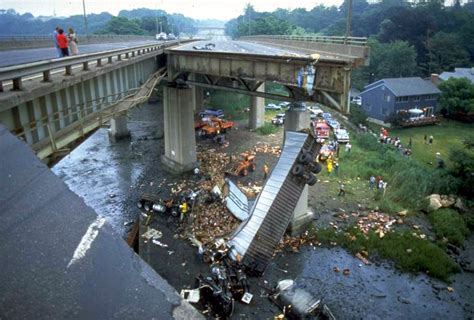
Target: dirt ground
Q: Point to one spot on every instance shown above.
(110, 177)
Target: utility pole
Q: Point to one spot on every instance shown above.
(349, 21)
(249, 17)
(85, 16)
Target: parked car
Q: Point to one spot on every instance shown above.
(357, 100)
(326, 115)
(171, 36)
(272, 106)
(315, 110)
(342, 136)
(212, 112)
(279, 119)
(284, 104)
(334, 124)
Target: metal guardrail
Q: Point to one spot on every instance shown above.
(16, 73)
(48, 37)
(358, 41)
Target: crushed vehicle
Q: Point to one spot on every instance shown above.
(226, 284)
(254, 242)
(244, 166)
(297, 303)
(321, 129)
(207, 46)
(342, 136)
(279, 119)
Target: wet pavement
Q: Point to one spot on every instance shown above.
(110, 178)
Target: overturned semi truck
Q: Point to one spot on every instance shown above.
(255, 240)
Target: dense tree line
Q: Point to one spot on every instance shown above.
(417, 39)
(137, 22)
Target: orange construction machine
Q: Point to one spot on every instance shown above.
(214, 126)
(245, 165)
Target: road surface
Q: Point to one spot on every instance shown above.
(20, 56)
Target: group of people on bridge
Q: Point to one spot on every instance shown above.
(66, 45)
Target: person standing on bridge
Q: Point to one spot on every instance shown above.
(56, 44)
(71, 36)
(62, 42)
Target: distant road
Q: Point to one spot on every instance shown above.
(14, 57)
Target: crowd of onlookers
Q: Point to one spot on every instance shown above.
(65, 44)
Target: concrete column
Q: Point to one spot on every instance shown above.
(302, 216)
(257, 110)
(198, 98)
(118, 127)
(296, 119)
(345, 101)
(180, 140)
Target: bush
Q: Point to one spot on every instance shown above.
(267, 128)
(449, 224)
(422, 255)
(357, 115)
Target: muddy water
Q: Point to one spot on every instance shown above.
(109, 176)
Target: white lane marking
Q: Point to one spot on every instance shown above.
(87, 240)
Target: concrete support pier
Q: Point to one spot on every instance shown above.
(118, 127)
(296, 119)
(302, 216)
(180, 140)
(257, 110)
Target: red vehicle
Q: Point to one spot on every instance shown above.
(321, 129)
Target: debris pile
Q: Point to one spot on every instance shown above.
(378, 222)
(266, 148)
(211, 221)
(295, 243)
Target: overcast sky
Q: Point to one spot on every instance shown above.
(197, 9)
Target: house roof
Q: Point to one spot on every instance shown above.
(459, 73)
(413, 86)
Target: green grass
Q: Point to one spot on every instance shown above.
(447, 135)
(267, 128)
(447, 223)
(407, 251)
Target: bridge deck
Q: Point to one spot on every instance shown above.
(255, 49)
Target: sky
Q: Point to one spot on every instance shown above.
(196, 9)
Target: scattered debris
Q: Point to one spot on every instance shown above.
(191, 296)
(346, 272)
(152, 234)
(159, 243)
(375, 221)
(362, 258)
(450, 289)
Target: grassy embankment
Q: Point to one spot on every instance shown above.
(409, 182)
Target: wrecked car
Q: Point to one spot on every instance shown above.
(297, 303)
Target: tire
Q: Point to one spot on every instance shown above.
(316, 167)
(305, 158)
(298, 170)
(311, 180)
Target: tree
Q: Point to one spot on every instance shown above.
(445, 51)
(121, 25)
(457, 95)
(463, 166)
(387, 60)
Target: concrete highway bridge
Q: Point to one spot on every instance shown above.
(52, 103)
